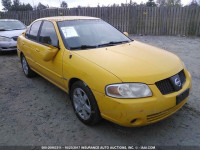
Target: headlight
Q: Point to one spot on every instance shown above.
(4, 39)
(128, 90)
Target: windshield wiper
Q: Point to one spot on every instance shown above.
(83, 47)
(112, 43)
(101, 45)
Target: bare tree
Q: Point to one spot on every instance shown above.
(161, 3)
(174, 3)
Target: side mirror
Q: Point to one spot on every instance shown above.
(126, 33)
(50, 53)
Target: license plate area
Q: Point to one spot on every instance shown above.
(182, 96)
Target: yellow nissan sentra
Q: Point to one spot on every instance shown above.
(106, 74)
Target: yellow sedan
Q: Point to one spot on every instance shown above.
(106, 74)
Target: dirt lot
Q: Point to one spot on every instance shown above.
(35, 112)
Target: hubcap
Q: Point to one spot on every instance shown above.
(81, 103)
(25, 65)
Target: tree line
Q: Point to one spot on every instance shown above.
(16, 5)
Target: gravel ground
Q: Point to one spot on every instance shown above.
(35, 112)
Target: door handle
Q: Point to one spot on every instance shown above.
(37, 49)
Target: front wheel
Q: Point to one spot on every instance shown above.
(27, 70)
(84, 104)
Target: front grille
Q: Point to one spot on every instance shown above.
(165, 86)
(15, 38)
(182, 77)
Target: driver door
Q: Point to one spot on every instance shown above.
(51, 69)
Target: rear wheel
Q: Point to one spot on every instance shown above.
(27, 70)
(84, 104)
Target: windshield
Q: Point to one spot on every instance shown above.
(11, 25)
(86, 34)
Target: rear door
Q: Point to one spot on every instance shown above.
(28, 43)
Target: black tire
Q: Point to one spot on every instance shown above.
(28, 72)
(95, 116)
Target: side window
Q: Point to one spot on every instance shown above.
(48, 34)
(32, 32)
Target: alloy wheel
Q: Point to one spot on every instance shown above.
(81, 103)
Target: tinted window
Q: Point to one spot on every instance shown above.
(48, 34)
(33, 31)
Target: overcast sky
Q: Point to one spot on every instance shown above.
(74, 3)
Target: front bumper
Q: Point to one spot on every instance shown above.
(143, 111)
(8, 46)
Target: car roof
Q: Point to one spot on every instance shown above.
(8, 20)
(63, 18)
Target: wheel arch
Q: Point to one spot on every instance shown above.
(72, 81)
(95, 115)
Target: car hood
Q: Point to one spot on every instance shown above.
(11, 33)
(135, 62)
